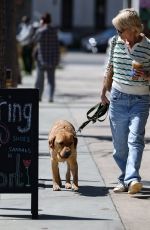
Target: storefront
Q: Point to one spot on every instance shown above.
(145, 15)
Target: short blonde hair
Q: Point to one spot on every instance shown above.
(128, 19)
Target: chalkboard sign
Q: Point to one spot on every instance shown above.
(19, 143)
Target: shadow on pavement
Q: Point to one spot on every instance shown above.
(57, 217)
(51, 217)
(84, 190)
(93, 191)
(107, 138)
(144, 194)
(44, 183)
(147, 140)
(18, 209)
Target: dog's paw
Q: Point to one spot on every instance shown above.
(75, 187)
(68, 186)
(56, 187)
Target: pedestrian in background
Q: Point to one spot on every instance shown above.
(46, 55)
(129, 97)
(25, 40)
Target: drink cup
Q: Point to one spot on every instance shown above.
(136, 66)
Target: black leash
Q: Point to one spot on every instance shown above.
(101, 110)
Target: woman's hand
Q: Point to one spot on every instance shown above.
(137, 73)
(141, 73)
(145, 75)
(104, 99)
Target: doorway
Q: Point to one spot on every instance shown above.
(100, 11)
(67, 14)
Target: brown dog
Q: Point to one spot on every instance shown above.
(63, 144)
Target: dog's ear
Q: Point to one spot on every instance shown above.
(75, 141)
(51, 142)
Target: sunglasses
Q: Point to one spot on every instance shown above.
(120, 32)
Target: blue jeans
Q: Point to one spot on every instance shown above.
(128, 116)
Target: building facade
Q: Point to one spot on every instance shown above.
(78, 15)
(82, 16)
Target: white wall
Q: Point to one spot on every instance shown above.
(114, 6)
(83, 10)
(136, 5)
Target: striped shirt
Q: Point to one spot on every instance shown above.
(121, 59)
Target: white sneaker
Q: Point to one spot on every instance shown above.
(120, 188)
(134, 187)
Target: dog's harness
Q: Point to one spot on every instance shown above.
(101, 110)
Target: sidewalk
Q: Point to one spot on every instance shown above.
(95, 206)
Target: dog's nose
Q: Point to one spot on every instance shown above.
(67, 154)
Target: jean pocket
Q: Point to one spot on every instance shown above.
(144, 101)
(115, 95)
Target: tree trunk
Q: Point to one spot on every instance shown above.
(2, 43)
(9, 71)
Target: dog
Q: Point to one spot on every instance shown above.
(62, 142)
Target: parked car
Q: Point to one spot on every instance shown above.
(98, 42)
(65, 38)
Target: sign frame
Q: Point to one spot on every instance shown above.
(19, 151)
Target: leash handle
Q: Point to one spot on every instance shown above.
(91, 110)
(101, 110)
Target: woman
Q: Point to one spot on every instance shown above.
(129, 98)
(47, 56)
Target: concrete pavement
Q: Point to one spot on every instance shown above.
(95, 206)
